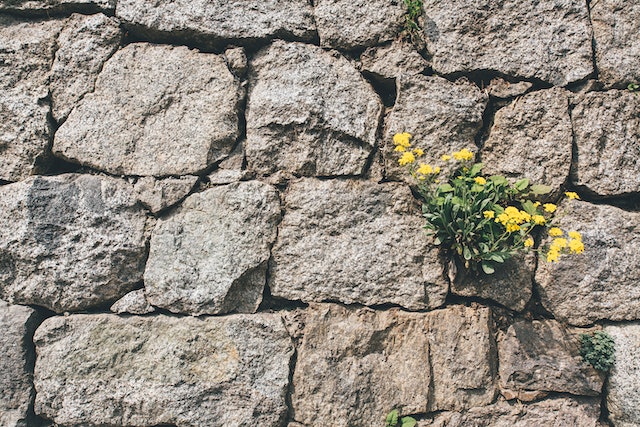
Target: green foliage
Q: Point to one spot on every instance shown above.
(392, 420)
(411, 25)
(633, 87)
(598, 350)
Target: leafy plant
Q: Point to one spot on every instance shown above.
(633, 87)
(411, 25)
(483, 221)
(598, 350)
(392, 420)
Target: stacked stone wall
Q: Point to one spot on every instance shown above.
(203, 222)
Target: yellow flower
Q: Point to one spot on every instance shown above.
(555, 232)
(463, 155)
(538, 219)
(512, 227)
(550, 207)
(488, 214)
(576, 246)
(529, 242)
(480, 180)
(446, 157)
(559, 243)
(437, 169)
(407, 158)
(572, 195)
(425, 169)
(418, 152)
(402, 139)
(553, 255)
(400, 148)
(575, 235)
(536, 204)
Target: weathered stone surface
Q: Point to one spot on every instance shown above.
(46, 7)
(349, 24)
(601, 283)
(544, 356)
(145, 116)
(70, 242)
(355, 241)
(623, 390)
(231, 169)
(135, 302)
(500, 88)
(616, 25)
(511, 285)
(607, 135)
(211, 255)
(26, 52)
(391, 61)
(237, 60)
(158, 194)
(96, 370)
(84, 46)
(442, 117)
(309, 112)
(462, 353)
(217, 22)
(356, 365)
(583, 412)
(548, 40)
(532, 138)
(16, 362)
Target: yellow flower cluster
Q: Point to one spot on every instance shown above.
(560, 244)
(463, 155)
(425, 169)
(512, 218)
(402, 141)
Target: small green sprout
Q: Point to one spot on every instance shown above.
(392, 420)
(598, 350)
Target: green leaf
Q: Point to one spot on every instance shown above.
(466, 253)
(487, 267)
(445, 188)
(498, 180)
(529, 207)
(475, 170)
(539, 189)
(392, 418)
(497, 258)
(408, 422)
(522, 184)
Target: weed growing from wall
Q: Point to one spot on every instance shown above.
(598, 350)
(411, 25)
(482, 221)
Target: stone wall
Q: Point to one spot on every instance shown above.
(204, 224)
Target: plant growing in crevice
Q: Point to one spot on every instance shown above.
(633, 87)
(482, 220)
(411, 20)
(393, 419)
(598, 350)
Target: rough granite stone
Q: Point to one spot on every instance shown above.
(158, 194)
(48, 7)
(463, 358)
(135, 302)
(503, 89)
(103, 369)
(210, 256)
(391, 61)
(355, 241)
(356, 365)
(237, 60)
(26, 53)
(309, 112)
(84, 45)
(623, 391)
(532, 138)
(511, 285)
(548, 40)
(351, 24)
(544, 356)
(231, 169)
(616, 27)
(214, 23)
(442, 116)
(145, 116)
(607, 136)
(70, 242)
(602, 282)
(16, 363)
(558, 412)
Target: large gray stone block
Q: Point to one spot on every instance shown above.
(623, 388)
(97, 370)
(210, 256)
(309, 113)
(549, 40)
(355, 241)
(70, 242)
(156, 111)
(47, 7)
